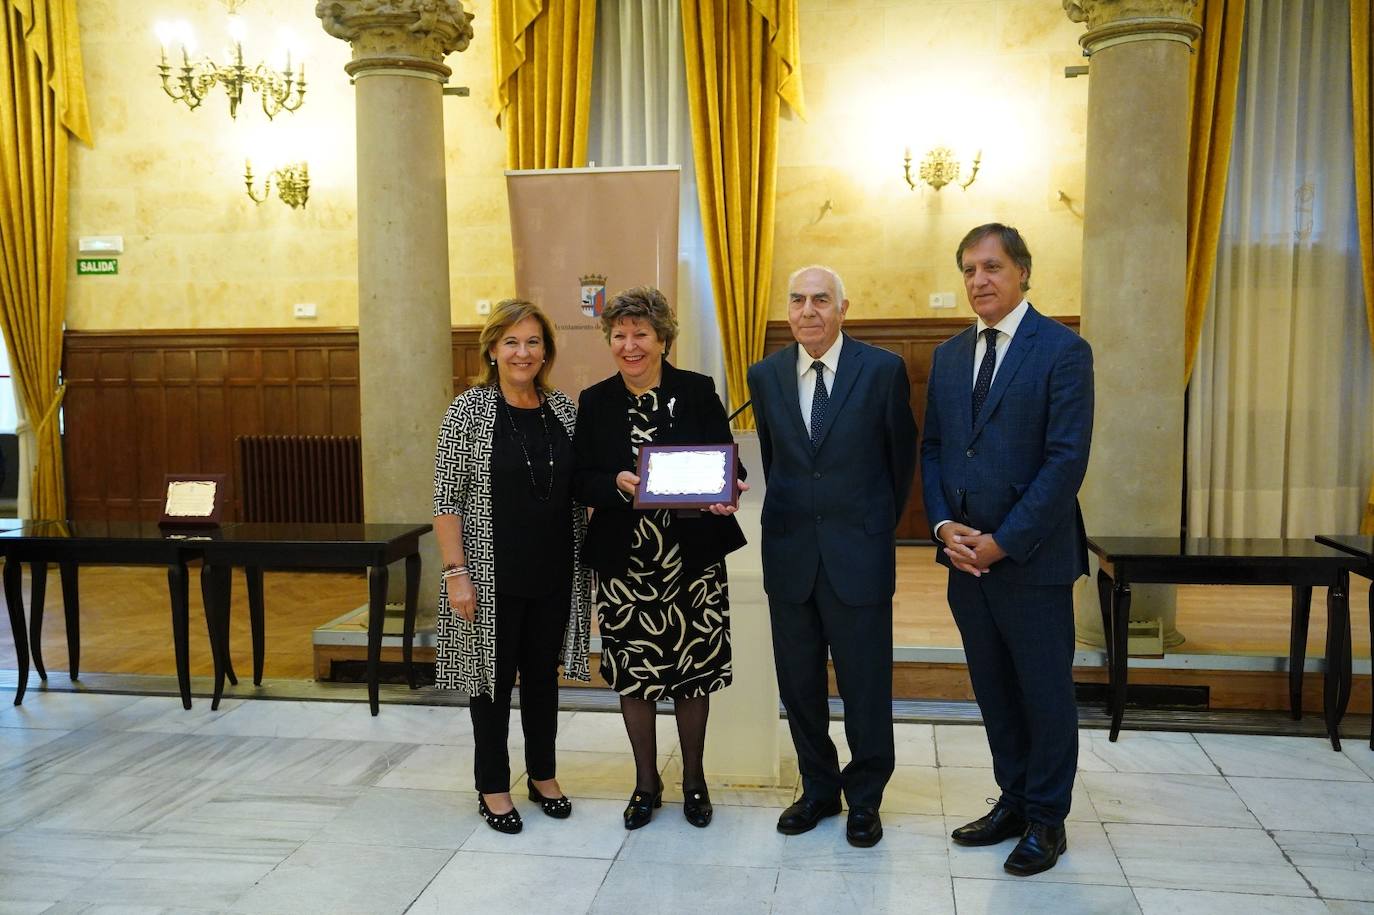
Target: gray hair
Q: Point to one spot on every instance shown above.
(839, 283)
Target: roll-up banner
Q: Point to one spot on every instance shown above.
(583, 234)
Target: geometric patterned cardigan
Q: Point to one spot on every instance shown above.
(466, 652)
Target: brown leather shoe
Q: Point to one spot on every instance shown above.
(1000, 824)
(1038, 850)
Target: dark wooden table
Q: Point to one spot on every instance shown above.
(253, 546)
(1299, 564)
(311, 546)
(72, 543)
(1361, 546)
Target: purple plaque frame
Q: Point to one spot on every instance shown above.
(729, 495)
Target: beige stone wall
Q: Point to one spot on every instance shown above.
(978, 74)
(879, 76)
(199, 253)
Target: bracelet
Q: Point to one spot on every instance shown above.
(454, 572)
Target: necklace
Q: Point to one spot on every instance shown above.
(520, 440)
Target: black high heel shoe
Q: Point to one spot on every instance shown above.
(509, 822)
(640, 809)
(560, 808)
(696, 806)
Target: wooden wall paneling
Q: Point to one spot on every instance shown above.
(467, 358)
(141, 405)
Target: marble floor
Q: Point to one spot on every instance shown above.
(129, 804)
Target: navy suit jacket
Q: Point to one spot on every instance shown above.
(842, 499)
(1015, 472)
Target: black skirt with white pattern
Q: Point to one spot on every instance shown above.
(663, 634)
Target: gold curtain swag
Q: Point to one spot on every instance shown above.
(742, 60)
(1212, 122)
(1362, 98)
(544, 80)
(42, 105)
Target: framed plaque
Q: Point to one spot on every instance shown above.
(193, 500)
(687, 476)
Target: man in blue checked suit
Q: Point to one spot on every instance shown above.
(1008, 424)
(839, 455)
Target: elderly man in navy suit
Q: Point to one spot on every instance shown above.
(1007, 428)
(839, 455)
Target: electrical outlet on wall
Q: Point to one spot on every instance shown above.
(942, 300)
(303, 310)
(484, 306)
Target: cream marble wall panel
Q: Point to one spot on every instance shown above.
(198, 252)
(880, 76)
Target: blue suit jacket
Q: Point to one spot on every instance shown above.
(1015, 472)
(841, 499)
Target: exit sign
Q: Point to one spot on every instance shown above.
(96, 265)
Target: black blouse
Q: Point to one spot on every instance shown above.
(533, 535)
(603, 450)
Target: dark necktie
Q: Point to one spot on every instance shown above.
(985, 368)
(819, 401)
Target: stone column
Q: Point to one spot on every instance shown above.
(404, 322)
(1134, 254)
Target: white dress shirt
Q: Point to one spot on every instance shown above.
(1006, 329)
(806, 379)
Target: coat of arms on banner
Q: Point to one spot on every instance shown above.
(593, 294)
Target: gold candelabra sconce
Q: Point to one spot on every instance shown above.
(938, 168)
(196, 77)
(293, 184)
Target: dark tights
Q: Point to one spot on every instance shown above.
(691, 716)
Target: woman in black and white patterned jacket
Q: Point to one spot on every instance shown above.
(513, 595)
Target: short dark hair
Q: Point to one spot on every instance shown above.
(641, 302)
(1012, 243)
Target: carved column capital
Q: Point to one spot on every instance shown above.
(411, 36)
(1113, 22)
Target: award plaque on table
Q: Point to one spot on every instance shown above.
(193, 500)
(687, 476)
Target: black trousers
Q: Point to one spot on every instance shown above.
(529, 641)
(859, 642)
(1018, 641)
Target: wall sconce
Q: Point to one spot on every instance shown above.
(293, 183)
(280, 90)
(939, 168)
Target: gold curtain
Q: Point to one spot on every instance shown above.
(544, 80)
(42, 105)
(1212, 121)
(742, 59)
(1362, 98)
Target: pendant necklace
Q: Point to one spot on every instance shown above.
(520, 440)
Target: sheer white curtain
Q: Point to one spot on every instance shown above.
(1279, 427)
(639, 117)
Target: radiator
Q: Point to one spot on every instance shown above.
(301, 478)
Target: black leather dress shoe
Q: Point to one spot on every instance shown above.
(805, 814)
(1038, 850)
(1000, 824)
(865, 828)
(696, 807)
